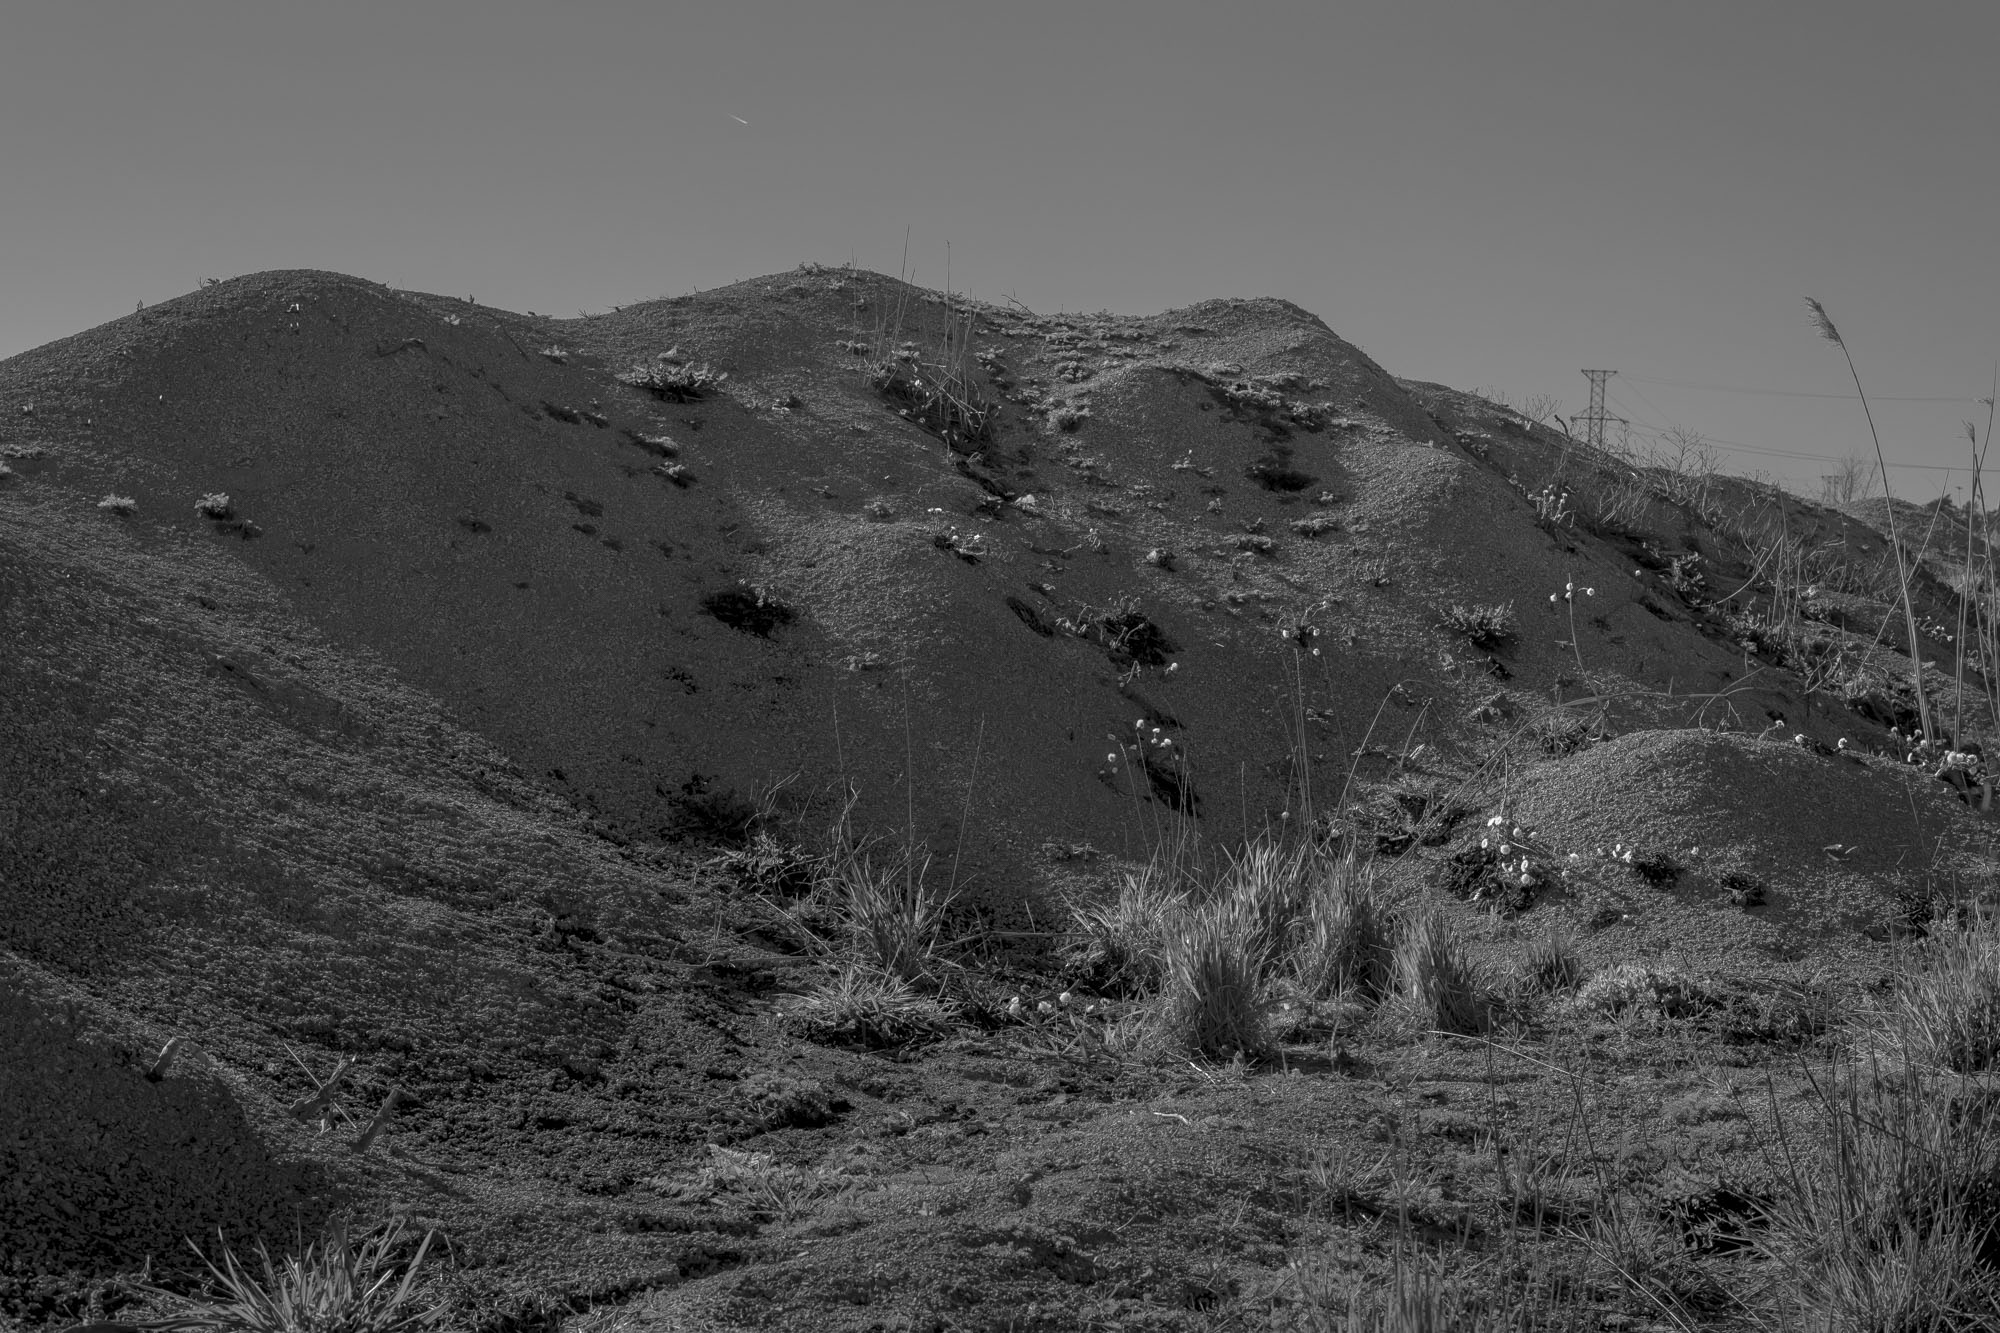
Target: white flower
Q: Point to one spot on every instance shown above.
(1527, 881)
(1590, 592)
(1518, 833)
(1045, 1008)
(1063, 998)
(1506, 849)
(1111, 758)
(1014, 1007)
(1482, 844)
(1552, 599)
(1495, 822)
(1173, 667)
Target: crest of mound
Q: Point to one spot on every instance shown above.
(1835, 839)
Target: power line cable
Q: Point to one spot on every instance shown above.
(1801, 393)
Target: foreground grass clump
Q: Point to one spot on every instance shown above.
(1887, 1220)
(1948, 1014)
(334, 1287)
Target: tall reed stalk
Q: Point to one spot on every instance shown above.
(1831, 334)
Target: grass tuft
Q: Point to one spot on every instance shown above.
(1349, 938)
(1888, 1220)
(1551, 963)
(1211, 1000)
(1948, 1014)
(334, 1287)
(1436, 975)
(866, 1007)
(1120, 946)
(891, 912)
(1483, 626)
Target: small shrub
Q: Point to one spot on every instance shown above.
(1315, 525)
(867, 1007)
(1435, 974)
(673, 382)
(1068, 419)
(774, 1101)
(1486, 626)
(214, 505)
(1745, 890)
(766, 865)
(751, 610)
(1656, 992)
(1659, 869)
(122, 505)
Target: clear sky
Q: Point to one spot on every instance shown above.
(1489, 193)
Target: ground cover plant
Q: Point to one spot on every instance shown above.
(1518, 892)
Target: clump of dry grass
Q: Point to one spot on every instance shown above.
(1211, 997)
(1550, 963)
(1436, 976)
(1121, 945)
(122, 505)
(1887, 1219)
(214, 505)
(1348, 941)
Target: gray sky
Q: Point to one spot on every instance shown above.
(1484, 193)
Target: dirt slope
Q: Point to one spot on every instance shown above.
(411, 757)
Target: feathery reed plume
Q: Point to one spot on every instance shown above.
(1824, 324)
